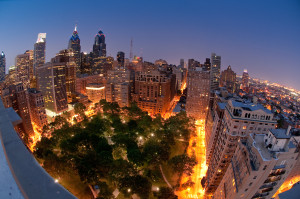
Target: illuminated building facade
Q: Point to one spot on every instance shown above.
(39, 52)
(101, 65)
(95, 92)
(66, 58)
(239, 120)
(259, 166)
(245, 81)
(121, 58)
(215, 72)
(24, 67)
(197, 93)
(99, 47)
(52, 84)
(2, 66)
(37, 108)
(118, 86)
(153, 91)
(16, 96)
(228, 79)
(83, 81)
(74, 44)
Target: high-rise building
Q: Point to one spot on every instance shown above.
(215, 72)
(99, 47)
(207, 64)
(182, 65)
(24, 66)
(245, 81)
(197, 93)
(2, 66)
(67, 59)
(52, 83)
(228, 79)
(121, 58)
(153, 91)
(95, 92)
(37, 109)
(16, 96)
(118, 86)
(74, 44)
(102, 64)
(259, 166)
(238, 121)
(39, 52)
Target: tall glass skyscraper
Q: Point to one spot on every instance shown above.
(121, 58)
(215, 72)
(99, 47)
(39, 53)
(74, 44)
(2, 66)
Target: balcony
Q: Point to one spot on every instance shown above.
(268, 185)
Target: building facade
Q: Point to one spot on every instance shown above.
(74, 44)
(24, 68)
(39, 52)
(99, 47)
(198, 88)
(228, 79)
(259, 166)
(238, 121)
(245, 81)
(2, 66)
(215, 72)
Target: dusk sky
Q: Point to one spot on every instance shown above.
(261, 36)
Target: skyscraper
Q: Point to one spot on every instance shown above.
(74, 44)
(197, 92)
(259, 166)
(39, 52)
(51, 78)
(215, 72)
(2, 66)
(228, 79)
(245, 81)
(181, 63)
(121, 58)
(239, 120)
(24, 66)
(99, 47)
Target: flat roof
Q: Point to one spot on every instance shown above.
(250, 106)
(280, 133)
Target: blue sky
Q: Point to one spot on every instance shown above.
(262, 36)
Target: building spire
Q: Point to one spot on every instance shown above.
(75, 29)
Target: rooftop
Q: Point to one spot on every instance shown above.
(280, 133)
(21, 175)
(250, 106)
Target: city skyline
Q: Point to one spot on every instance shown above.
(248, 35)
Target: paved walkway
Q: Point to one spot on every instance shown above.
(162, 173)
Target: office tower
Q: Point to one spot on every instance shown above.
(24, 66)
(259, 166)
(99, 47)
(179, 73)
(153, 91)
(52, 83)
(193, 64)
(215, 72)
(207, 64)
(39, 52)
(84, 80)
(66, 58)
(118, 86)
(121, 58)
(238, 121)
(74, 44)
(245, 81)
(102, 64)
(86, 60)
(2, 66)
(16, 96)
(95, 92)
(228, 79)
(197, 93)
(37, 109)
(182, 63)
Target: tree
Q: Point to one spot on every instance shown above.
(166, 193)
(183, 163)
(105, 191)
(135, 184)
(79, 108)
(155, 153)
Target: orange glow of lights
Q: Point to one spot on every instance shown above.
(200, 169)
(36, 136)
(287, 185)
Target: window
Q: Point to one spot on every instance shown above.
(246, 190)
(254, 177)
(265, 167)
(244, 127)
(250, 183)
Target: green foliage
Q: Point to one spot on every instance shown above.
(155, 153)
(135, 184)
(166, 193)
(183, 163)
